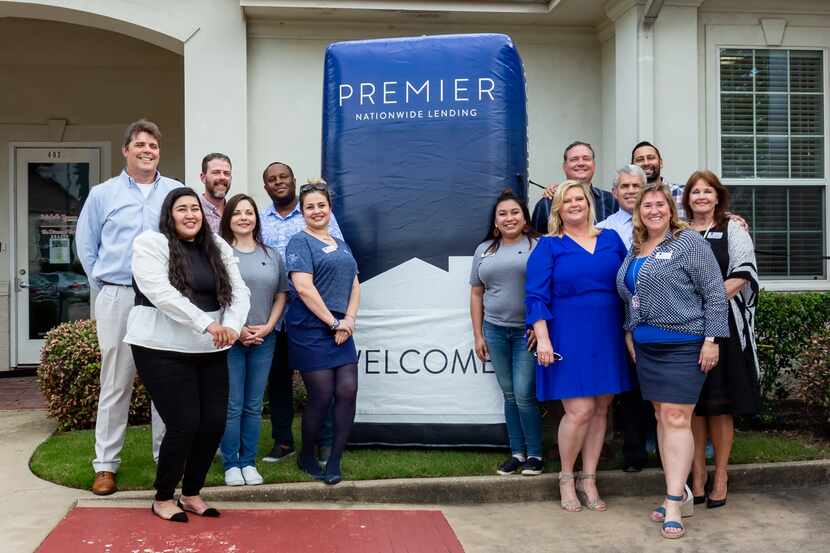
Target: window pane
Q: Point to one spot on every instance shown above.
(807, 114)
(806, 255)
(772, 157)
(771, 114)
(806, 73)
(736, 114)
(738, 158)
(807, 158)
(740, 202)
(807, 208)
(736, 70)
(771, 254)
(771, 70)
(770, 208)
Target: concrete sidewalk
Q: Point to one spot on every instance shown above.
(791, 513)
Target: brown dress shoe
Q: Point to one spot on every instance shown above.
(104, 483)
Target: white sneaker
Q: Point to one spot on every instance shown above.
(233, 477)
(252, 476)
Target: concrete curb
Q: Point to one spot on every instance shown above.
(501, 489)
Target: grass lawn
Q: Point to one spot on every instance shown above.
(65, 458)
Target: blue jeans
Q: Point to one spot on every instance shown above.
(516, 373)
(248, 369)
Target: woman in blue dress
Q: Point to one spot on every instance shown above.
(323, 300)
(572, 303)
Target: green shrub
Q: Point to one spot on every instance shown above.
(814, 372)
(784, 323)
(69, 375)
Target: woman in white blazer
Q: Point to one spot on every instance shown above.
(190, 305)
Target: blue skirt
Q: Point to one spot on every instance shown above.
(311, 347)
(670, 373)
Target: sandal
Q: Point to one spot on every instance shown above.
(686, 510)
(674, 524)
(594, 505)
(569, 505)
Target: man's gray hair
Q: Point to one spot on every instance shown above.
(633, 170)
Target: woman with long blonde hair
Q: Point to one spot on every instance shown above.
(675, 308)
(572, 304)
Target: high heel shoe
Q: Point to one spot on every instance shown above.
(700, 499)
(310, 466)
(594, 505)
(569, 505)
(715, 503)
(332, 475)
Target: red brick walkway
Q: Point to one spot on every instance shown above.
(20, 393)
(115, 530)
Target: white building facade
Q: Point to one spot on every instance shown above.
(735, 86)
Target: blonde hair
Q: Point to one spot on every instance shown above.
(640, 231)
(556, 227)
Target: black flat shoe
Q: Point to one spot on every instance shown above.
(178, 517)
(210, 512)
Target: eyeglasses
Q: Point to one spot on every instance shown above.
(314, 186)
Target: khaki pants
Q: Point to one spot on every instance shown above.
(112, 305)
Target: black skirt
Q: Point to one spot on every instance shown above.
(732, 387)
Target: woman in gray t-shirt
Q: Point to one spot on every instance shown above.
(498, 315)
(249, 360)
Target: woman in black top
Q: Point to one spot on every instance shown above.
(190, 305)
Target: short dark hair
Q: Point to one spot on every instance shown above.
(574, 144)
(642, 144)
(210, 157)
(142, 125)
(265, 171)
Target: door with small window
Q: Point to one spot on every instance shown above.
(50, 286)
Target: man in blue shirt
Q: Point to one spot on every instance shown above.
(115, 212)
(281, 220)
(579, 164)
(628, 182)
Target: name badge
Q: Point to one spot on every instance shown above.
(329, 249)
(663, 255)
(715, 235)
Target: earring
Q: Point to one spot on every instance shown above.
(496, 232)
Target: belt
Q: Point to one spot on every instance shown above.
(105, 283)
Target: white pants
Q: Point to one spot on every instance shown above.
(112, 305)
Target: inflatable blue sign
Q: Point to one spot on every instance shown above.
(420, 135)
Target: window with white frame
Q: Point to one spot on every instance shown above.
(772, 131)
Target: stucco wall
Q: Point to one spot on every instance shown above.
(285, 78)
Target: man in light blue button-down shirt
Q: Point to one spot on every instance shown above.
(115, 212)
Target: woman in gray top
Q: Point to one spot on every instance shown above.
(249, 360)
(497, 311)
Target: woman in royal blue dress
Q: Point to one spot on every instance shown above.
(572, 303)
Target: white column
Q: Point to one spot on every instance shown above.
(215, 91)
(678, 107)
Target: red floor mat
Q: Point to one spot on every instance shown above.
(119, 530)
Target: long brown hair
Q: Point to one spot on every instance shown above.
(722, 209)
(640, 231)
(225, 224)
(179, 270)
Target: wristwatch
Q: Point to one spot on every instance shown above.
(334, 324)
(710, 339)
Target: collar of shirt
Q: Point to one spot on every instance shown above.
(208, 204)
(272, 210)
(132, 182)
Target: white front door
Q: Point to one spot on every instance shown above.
(50, 287)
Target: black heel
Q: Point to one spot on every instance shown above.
(701, 499)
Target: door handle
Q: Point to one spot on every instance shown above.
(22, 284)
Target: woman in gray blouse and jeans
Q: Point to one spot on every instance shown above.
(498, 315)
(675, 306)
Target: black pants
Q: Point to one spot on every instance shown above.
(190, 391)
(281, 399)
(637, 420)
